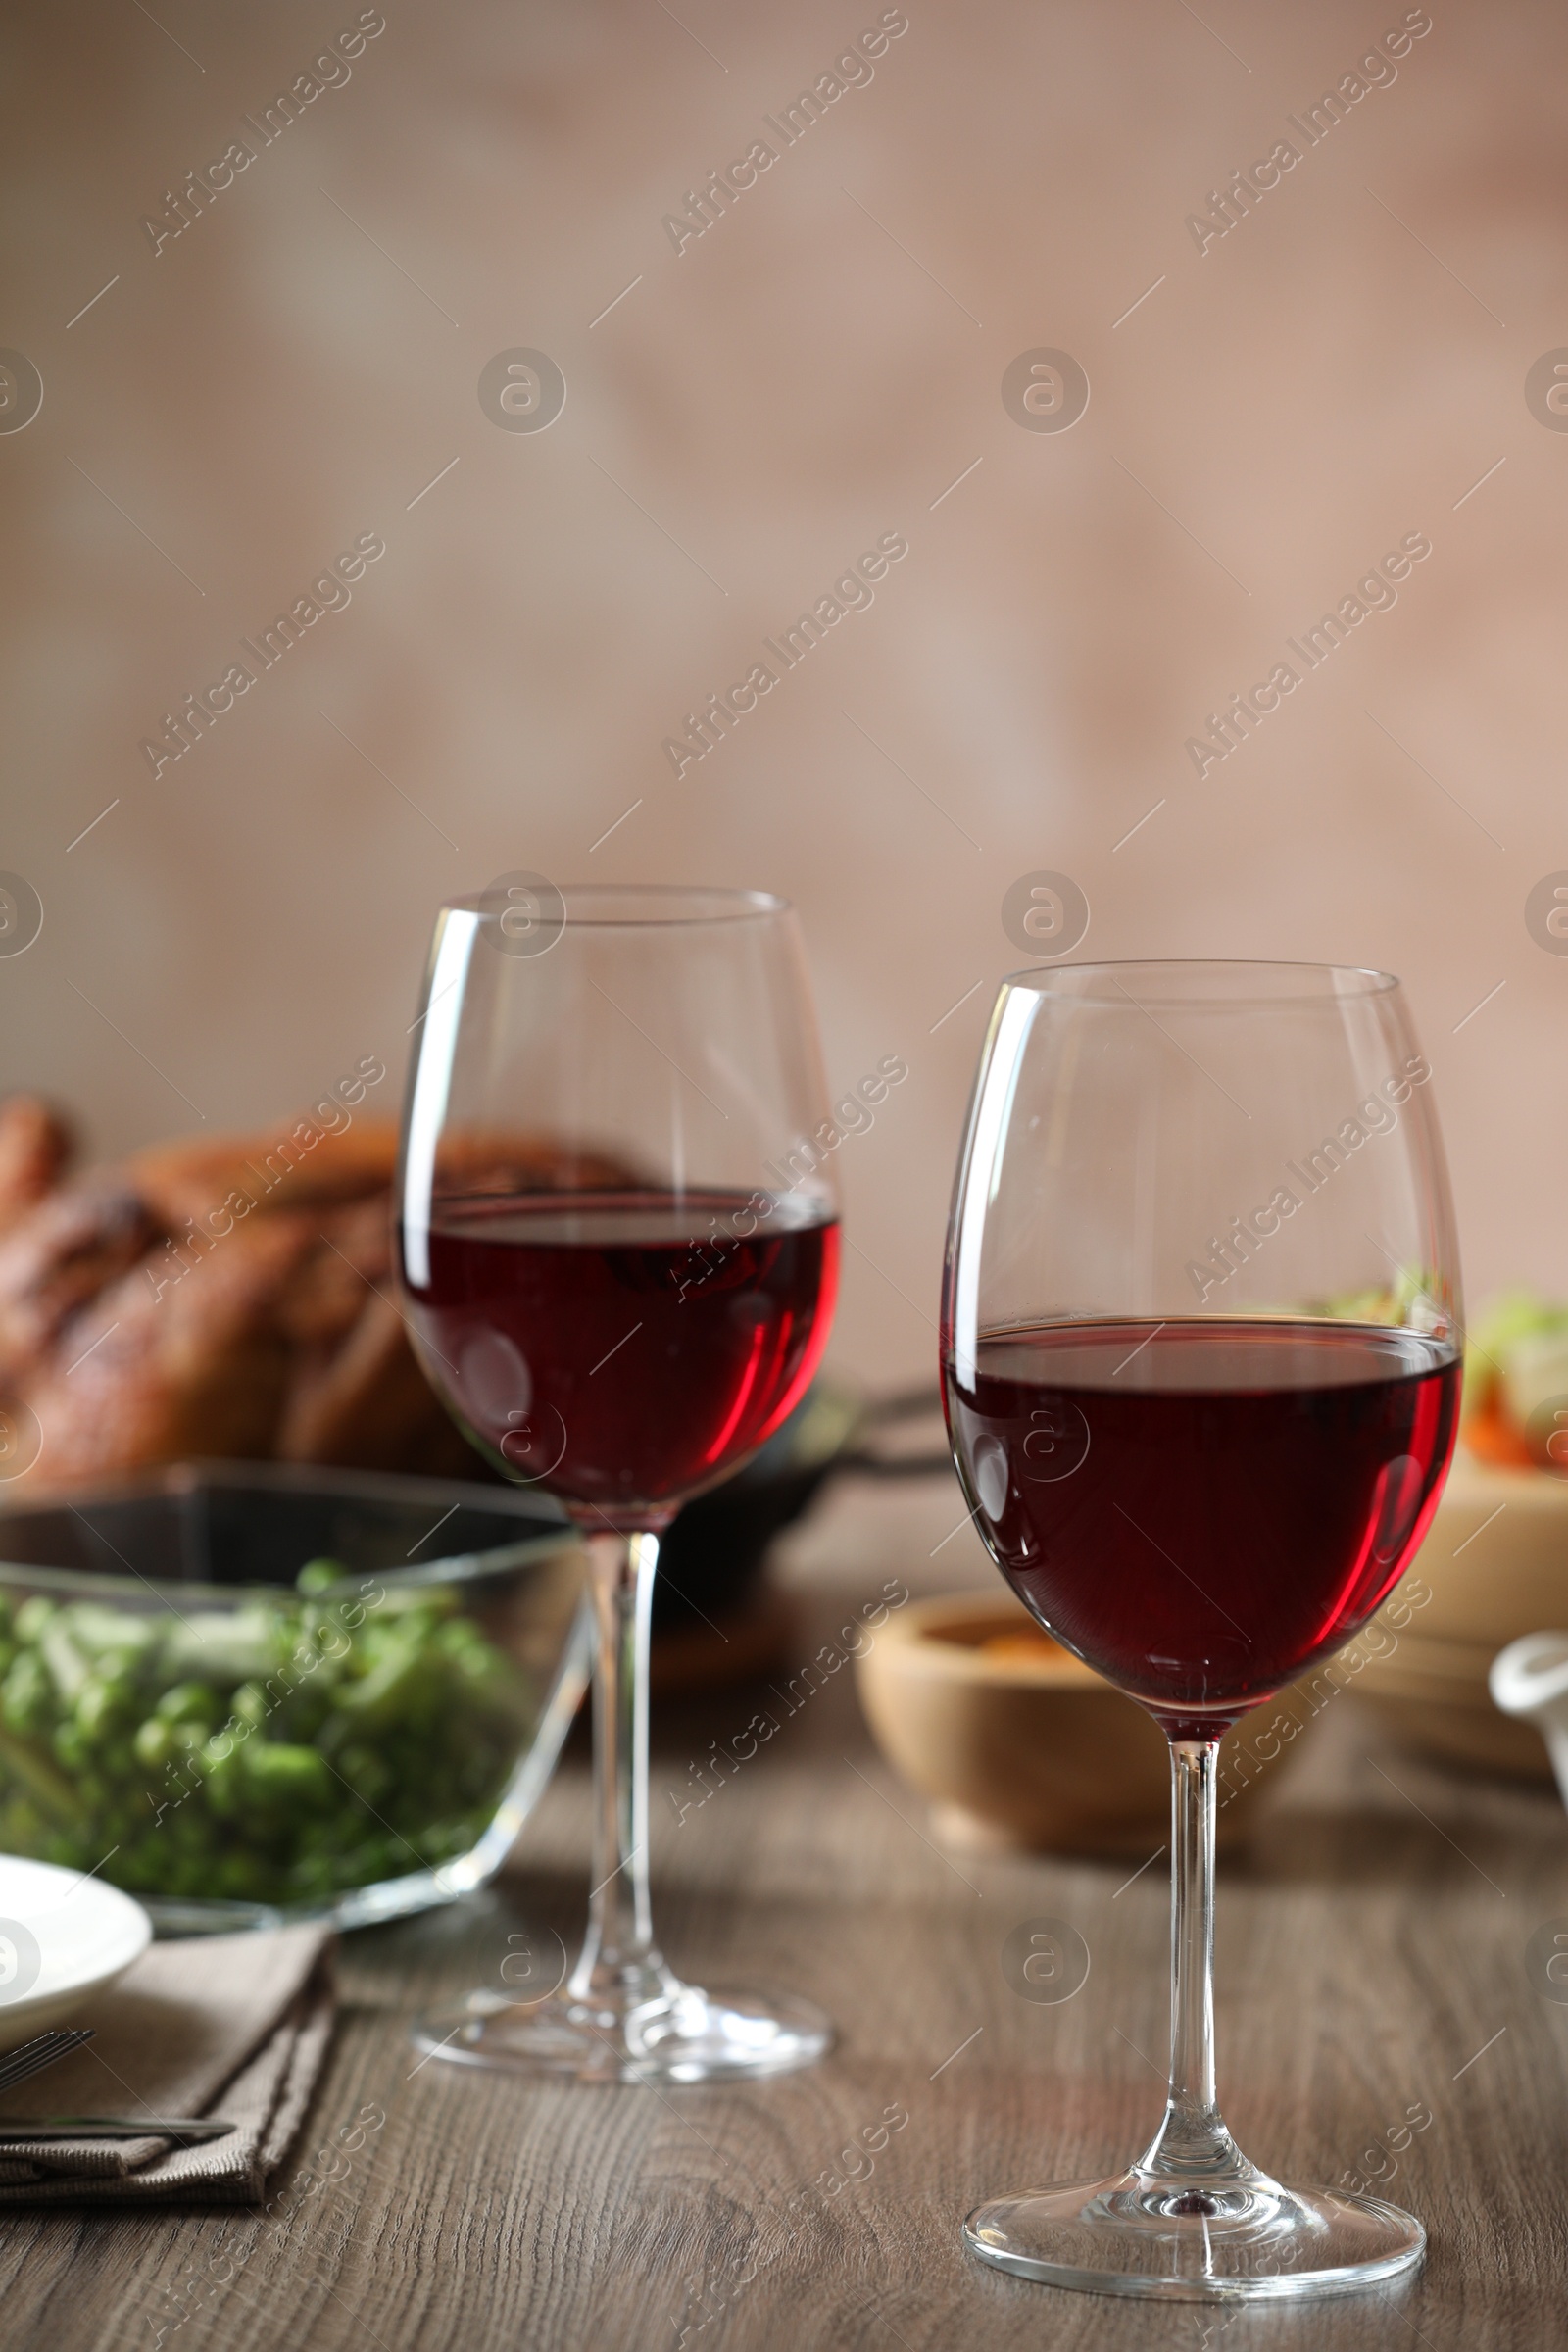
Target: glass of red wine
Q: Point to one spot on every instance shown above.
(1200, 1356)
(618, 1245)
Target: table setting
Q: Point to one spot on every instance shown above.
(238, 2023)
(318, 1727)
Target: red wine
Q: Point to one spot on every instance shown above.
(1201, 1509)
(623, 1351)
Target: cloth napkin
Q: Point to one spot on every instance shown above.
(236, 2025)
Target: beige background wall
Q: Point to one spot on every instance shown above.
(815, 371)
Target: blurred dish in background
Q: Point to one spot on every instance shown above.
(1495, 1564)
(1516, 1384)
(1017, 1743)
(1493, 1567)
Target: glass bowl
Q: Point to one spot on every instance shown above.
(184, 1714)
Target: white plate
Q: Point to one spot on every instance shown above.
(62, 1938)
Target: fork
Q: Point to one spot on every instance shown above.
(20, 2065)
(32, 2057)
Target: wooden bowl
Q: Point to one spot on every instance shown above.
(1017, 1743)
(1494, 1566)
(1495, 1555)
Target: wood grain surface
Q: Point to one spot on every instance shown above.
(1372, 1960)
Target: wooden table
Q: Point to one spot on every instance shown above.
(1371, 1961)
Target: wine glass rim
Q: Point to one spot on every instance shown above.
(630, 906)
(1192, 982)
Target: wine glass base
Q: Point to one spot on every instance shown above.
(693, 2036)
(1135, 2234)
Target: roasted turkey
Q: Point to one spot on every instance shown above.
(220, 1297)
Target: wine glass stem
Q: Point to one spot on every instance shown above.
(619, 1965)
(1192, 2143)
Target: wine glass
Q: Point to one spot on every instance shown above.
(1200, 1356)
(618, 1244)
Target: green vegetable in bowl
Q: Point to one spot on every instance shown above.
(282, 1752)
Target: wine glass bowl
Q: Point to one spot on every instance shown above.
(623, 1350)
(1200, 1356)
(1201, 1558)
(618, 1245)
